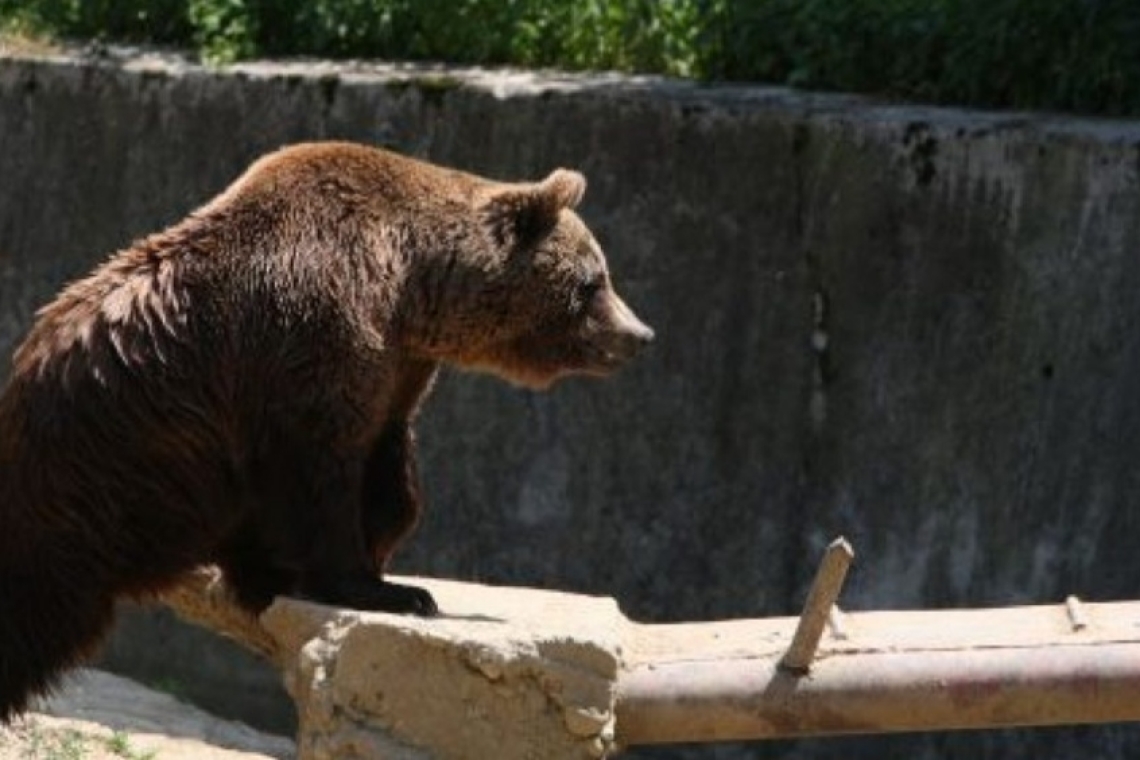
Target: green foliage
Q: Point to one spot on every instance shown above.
(647, 35)
(68, 744)
(159, 21)
(120, 744)
(224, 30)
(1079, 55)
(637, 35)
(642, 35)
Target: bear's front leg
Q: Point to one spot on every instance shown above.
(391, 503)
(341, 567)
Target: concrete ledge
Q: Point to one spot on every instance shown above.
(511, 672)
(502, 672)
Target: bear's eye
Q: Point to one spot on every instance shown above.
(587, 290)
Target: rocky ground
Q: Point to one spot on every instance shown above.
(98, 716)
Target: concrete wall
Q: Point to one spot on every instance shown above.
(915, 327)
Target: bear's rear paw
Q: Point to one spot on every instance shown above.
(373, 594)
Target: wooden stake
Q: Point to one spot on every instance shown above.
(1077, 619)
(821, 598)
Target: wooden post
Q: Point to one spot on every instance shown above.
(817, 609)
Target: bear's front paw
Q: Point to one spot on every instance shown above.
(411, 599)
(372, 594)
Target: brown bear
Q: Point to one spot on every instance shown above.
(240, 389)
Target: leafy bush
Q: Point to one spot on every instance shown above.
(1079, 55)
(642, 35)
(157, 21)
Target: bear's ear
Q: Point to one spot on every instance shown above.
(520, 215)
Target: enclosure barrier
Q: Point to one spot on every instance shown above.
(523, 672)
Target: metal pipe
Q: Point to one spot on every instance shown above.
(723, 701)
(937, 671)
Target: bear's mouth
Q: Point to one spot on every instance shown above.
(535, 361)
(603, 362)
(607, 351)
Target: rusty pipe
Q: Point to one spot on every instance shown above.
(937, 671)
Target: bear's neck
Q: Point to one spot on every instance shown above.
(440, 310)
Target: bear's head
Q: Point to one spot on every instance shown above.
(540, 292)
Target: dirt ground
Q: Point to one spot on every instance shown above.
(98, 716)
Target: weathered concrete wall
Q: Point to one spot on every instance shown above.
(915, 327)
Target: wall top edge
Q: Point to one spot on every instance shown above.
(506, 83)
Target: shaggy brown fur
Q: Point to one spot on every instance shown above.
(241, 388)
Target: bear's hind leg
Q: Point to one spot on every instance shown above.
(50, 621)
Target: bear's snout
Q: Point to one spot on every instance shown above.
(622, 334)
(632, 336)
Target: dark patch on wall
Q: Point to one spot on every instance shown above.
(922, 149)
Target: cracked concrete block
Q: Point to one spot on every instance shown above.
(502, 672)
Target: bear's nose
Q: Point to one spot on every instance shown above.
(643, 334)
(632, 339)
(630, 333)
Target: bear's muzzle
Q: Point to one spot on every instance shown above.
(618, 335)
